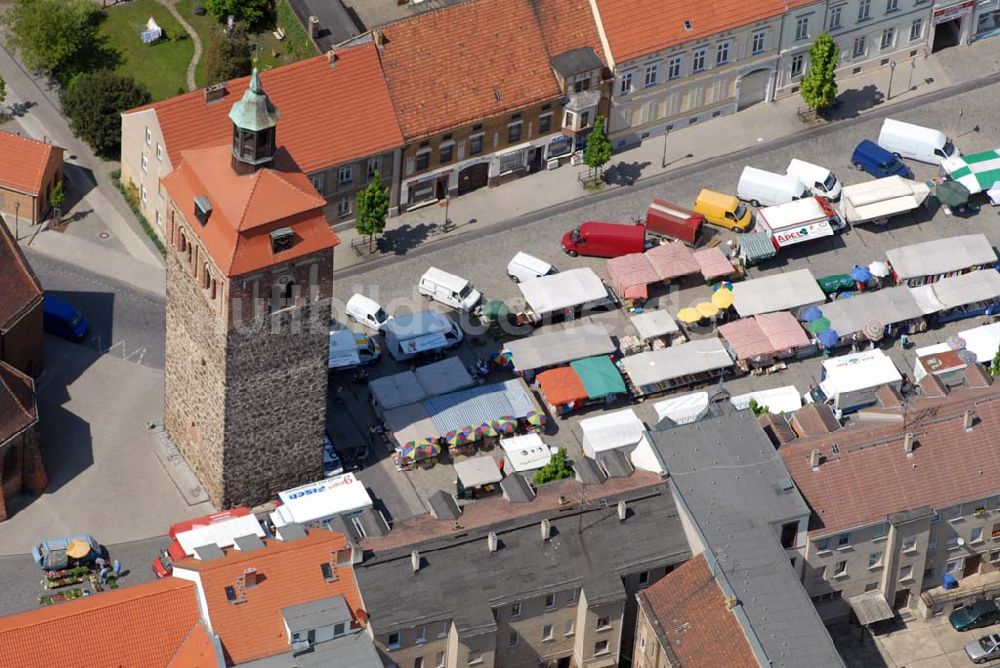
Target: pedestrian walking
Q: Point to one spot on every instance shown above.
(117, 566)
(104, 575)
(101, 562)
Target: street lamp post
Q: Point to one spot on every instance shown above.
(663, 163)
(17, 216)
(892, 70)
(909, 81)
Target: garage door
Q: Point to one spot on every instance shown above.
(753, 88)
(475, 176)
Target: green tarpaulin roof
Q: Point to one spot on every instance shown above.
(976, 172)
(600, 376)
(757, 246)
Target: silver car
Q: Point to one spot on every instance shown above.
(985, 649)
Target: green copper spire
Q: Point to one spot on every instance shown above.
(254, 111)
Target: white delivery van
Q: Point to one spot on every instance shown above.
(449, 289)
(426, 332)
(367, 312)
(820, 180)
(762, 188)
(798, 221)
(906, 140)
(350, 349)
(849, 382)
(524, 267)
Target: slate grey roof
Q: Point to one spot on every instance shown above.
(734, 484)
(373, 522)
(290, 532)
(313, 615)
(249, 542)
(516, 489)
(461, 580)
(443, 505)
(354, 650)
(588, 472)
(615, 463)
(208, 552)
(576, 61)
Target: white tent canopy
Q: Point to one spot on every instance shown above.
(478, 471)
(778, 400)
(526, 453)
(683, 408)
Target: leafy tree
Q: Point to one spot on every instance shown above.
(819, 86)
(3, 93)
(757, 409)
(57, 199)
(251, 11)
(372, 208)
(558, 468)
(995, 365)
(55, 37)
(93, 103)
(228, 55)
(598, 150)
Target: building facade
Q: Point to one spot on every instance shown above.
(29, 171)
(873, 34)
(249, 283)
(800, 26)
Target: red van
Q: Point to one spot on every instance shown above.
(604, 240)
(674, 222)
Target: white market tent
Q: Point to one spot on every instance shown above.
(941, 256)
(787, 291)
(400, 389)
(620, 430)
(651, 368)
(857, 371)
(554, 348)
(955, 291)
(565, 290)
(526, 453)
(652, 324)
(984, 341)
(683, 408)
(478, 471)
(889, 306)
(778, 400)
(977, 172)
(881, 198)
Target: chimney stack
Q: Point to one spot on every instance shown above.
(546, 530)
(250, 577)
(331, 57)
(622, 512)
(415, 560)
(814, 459)
(378, 38)
(970, 419)
(731, 602)
(908, 444)
(491, 541)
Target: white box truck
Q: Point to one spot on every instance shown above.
(426, 332)
(849, 382)
(798, 221)
(879, 200)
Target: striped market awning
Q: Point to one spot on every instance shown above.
(977, 172)
(756, 247)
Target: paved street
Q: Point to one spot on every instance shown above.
(482, 255)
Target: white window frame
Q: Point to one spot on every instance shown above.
(838, 14)
(884, 531)
(515, 610)
(625, 84)
(547, 632)
(877, 563)
(651, 75)
(891, 6)
(674, 66)
(439, 660)
(953, 565)
(909, 544)
(550, 606)
(144, 163)
(844, 540)
(344, 206)
(143, 194)
(918, 24)
(861, 41)
(475, 656)
(603, 650)
(570, 627)
(513, 639)
(318, 181)
(891, 33)
(374, 165)
(864, 10)
(973, 539)
(906, 573)
(841, 572)
(722, 52)
(149, 137)
(699, 60)
(548, 115)
(758, 42)
(159, 152)
(394, 645)
(421, 636)
(801, 28)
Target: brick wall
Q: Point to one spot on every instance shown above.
(21, 347)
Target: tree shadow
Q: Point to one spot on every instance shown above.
(400, 240)
(78, 182)
(852, 102)
(624, 174)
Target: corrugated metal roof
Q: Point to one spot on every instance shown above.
(477, 405)
(870, 607)
(756, 247)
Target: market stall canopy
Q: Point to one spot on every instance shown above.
(479, 405)
(611, 431)
(828, 337)
(77, 549)
(630, 274)
(600, 376)
(552, 348)
(952, 193)
(321, 500)
(723, 298)
(411, 423)
(870, 607)
(478, 471)
(955, 291)
(429, 380)
(653, 324)
(672, 260)
(526, 453)
(984, 341)
(682, 409)
(941, 256)
(691, 358)
(561, 385)
(756, 247)
(688, 315)
(785, 399)
(567, 289)
(890, 305)
(779, 292)
(881, 198)
(713, 263)
(764, 335)
(977, 172)
(707, 309)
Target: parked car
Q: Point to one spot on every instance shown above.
(722, 210)
(62, 319)
(367, 312)
(597, 239)
(985, 649)
(872, 158)
(449, 289)
(51, 553)
(975, 615)
(524, 267)
(332, 466)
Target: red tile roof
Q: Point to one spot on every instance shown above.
(246, 208)
(23, 162)
(688, 611)
(465, 63)
(143, 625)
(21, 288)
(197, 650)
(568, 25)
(17, 402)
(642, 27)
(861, 485)
(329, 115)
(288, 574)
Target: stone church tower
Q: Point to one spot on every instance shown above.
(249, 282)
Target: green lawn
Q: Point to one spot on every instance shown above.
(161, 66)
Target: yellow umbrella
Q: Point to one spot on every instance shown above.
(722, 298)
(77, 549)
(688, 315)
(707, 309)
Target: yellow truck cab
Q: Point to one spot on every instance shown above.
(723, 210)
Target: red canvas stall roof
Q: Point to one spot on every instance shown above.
(561, 385)
(746, 338)
(630, 274)
(783, 330)
(672, 260)
(712, 262)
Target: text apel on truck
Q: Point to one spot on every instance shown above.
(798, 221)
(220, 529)
(317, 503)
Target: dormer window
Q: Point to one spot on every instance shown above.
(282, 239)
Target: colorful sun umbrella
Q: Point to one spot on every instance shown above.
(486, 430)
(811, 313)
(688, 315)
(879, 268)
(861, 274)
(535, 419)
(828, 337)
(873, 330)
(458, 437)
(719, 286)
(707, 309)
(421, 449)
(506, 424)
(501, 359)
(818, 325)
(722, 298)
(956, 342)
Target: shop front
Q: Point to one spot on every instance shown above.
(951, 24)
(986, 19)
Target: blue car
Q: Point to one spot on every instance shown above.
(51, 555)
(62, 319)
(872, 158)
